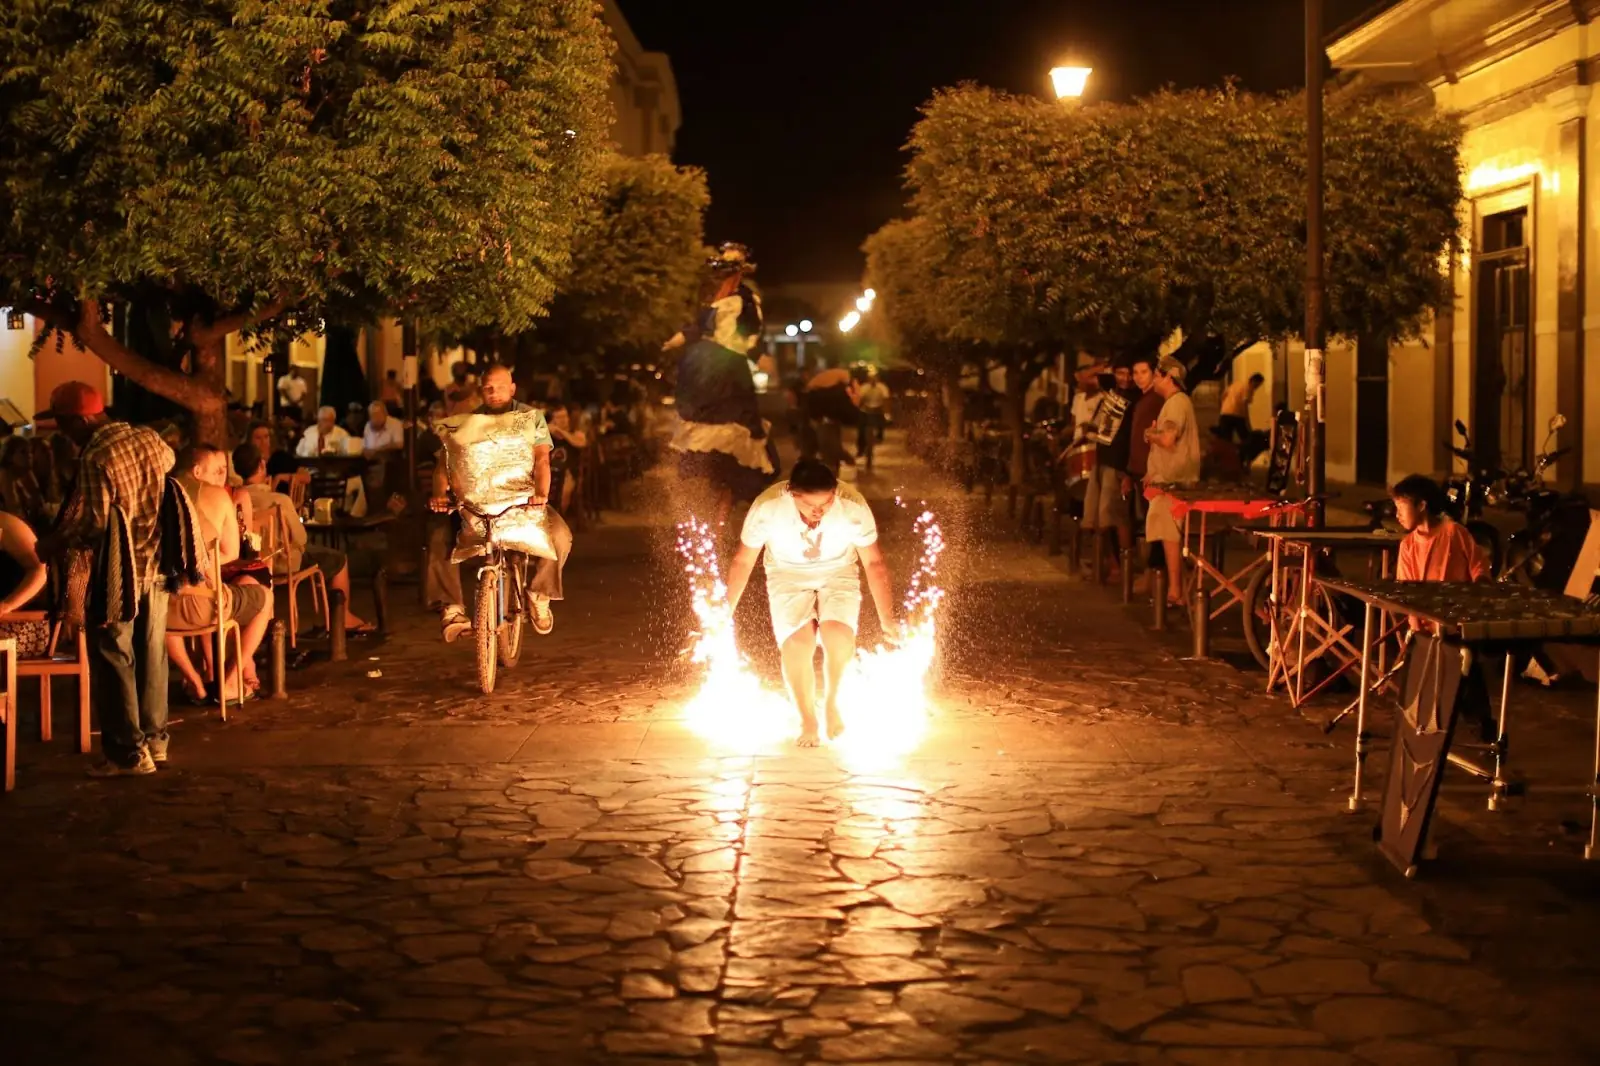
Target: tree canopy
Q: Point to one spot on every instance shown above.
(1037, 228)
(234, 160)
(636, 262)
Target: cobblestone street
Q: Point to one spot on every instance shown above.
(1100, 852)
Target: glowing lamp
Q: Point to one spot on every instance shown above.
(1070, 82)
(805, 325)
(792, 330)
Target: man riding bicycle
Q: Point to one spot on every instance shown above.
(443, 577)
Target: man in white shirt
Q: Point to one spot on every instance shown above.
(383, 434)
(324, 437)
(1174, 461)
(814, 532)
(292, 389)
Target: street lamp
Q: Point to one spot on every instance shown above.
(1069, 82)
(849, 322)
(863, 304)
(791, 330)
(805, 325)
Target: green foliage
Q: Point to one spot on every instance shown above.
(1046, 228)
(636, 262)
(351, 157)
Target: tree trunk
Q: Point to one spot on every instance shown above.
(1016, 400)
(200, 392)
(208, 402)
(955, 406)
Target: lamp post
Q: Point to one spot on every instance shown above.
(1070, 82)
(1316, 389)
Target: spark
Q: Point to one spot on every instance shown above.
(883, 697)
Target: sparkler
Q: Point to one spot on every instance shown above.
(883, 697)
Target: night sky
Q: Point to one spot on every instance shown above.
(798, 109)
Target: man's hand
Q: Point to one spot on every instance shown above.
(440, 504)
(1127, 485)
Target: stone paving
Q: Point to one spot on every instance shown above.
(1100, 853)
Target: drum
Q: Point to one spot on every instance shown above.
(1080, 460)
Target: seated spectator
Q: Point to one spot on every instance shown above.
(332, 562)
(22, 575)
(279, 459)
(463, 396)
(324, 437)
(382, 433)
(20, 492)
(1436, 547)
(203, 471)
(355, 418)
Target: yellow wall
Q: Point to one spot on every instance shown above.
(16, 369)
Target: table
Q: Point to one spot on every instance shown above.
(337, 534)
(1482, 616)
(8, 717)
(1330, 639)
(1234, 504)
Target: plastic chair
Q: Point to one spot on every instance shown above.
(55, 664)
(276, 546)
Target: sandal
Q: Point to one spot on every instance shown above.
(366, 630)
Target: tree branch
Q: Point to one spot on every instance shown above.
(204, 336)
(173, 384)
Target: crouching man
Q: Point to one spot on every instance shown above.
(814, 532)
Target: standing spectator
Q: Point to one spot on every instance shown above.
(122, 478)
(1143, 417)
(324, 437)
(1105, 503)
(1234, 422)
(292, 389)
(391, 395)
(1436, 546)
(1174, 461)
(874, 398)
(463, 396)
(1086, 397)
(382, 433)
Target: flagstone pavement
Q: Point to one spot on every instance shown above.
(1100, 852)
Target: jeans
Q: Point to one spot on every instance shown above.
(128, 679)
(441, 581)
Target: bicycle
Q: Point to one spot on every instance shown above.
(500, 606)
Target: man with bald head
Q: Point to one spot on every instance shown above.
(442, 580)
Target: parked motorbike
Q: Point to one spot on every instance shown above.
(1544, 552)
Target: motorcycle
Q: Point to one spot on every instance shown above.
(1544, 552)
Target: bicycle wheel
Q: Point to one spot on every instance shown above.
(1259, 608)
(510, 637)
(486, 627)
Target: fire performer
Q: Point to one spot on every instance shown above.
(814, 530)
(722, 440)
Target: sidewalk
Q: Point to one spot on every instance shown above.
(1100, 852)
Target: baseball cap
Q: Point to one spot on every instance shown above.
(73, 398)
(1173, 368)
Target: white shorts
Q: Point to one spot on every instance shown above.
(798, 598)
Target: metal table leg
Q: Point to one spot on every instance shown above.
(1354, 803)
(1275, 660)
(1497, 787)
(1300, 624)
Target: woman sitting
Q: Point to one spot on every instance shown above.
(203, 471)
(1436, 547)
(22, 580)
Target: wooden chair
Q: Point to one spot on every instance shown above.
(221, 626)
(296, 486)
(8, 716)
(55, 664)
(276, 546)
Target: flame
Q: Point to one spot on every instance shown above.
(883, 696)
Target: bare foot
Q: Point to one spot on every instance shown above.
(835, 723)
(808, 737)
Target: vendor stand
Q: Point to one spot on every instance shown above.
(1208, 510)
(1468, 619)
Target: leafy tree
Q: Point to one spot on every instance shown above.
(636, 262)
(1051, 228)
(261, 164)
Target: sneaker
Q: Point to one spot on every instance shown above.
(140, 767)
(544, 619)
(455, 622)
(157, 750)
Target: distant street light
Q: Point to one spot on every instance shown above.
(805, 325)
(849, 322)
(791, 330)
(872, 294)
(1070, 82)
(863, 304)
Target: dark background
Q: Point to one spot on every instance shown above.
(798, 109)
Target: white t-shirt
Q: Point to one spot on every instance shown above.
(292, 388)
(1084, 408)
(774, 523)
(392, 435)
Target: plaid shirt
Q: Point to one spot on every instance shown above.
(122, 466)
